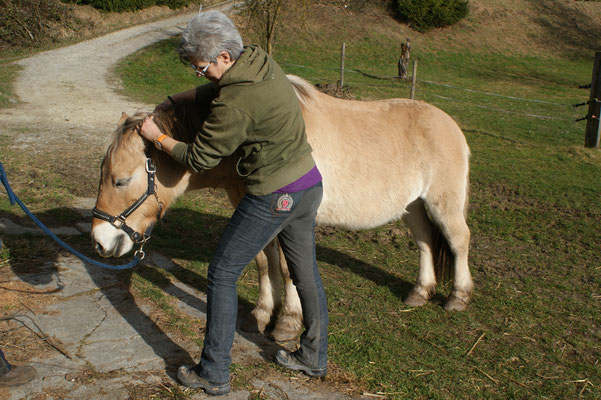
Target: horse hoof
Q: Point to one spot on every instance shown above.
(252, 324)
(286, 329)
(456, 303)
(415, 300)
(279, 335)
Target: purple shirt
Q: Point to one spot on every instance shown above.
(304, 182)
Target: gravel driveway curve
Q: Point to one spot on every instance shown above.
(68, 93)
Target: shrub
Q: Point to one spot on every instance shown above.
(28, 23)
(427, 14)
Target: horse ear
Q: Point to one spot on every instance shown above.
(122, 119)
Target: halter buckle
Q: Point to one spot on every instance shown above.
(118, 222)
(150, 167)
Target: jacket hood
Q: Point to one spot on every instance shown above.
(253, 66)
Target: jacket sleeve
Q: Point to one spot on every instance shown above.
(206, 93)
(225, 129)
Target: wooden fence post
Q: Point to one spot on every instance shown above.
(592, 135)
(413, 80)
(341, 84)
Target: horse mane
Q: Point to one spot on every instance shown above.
(180, 121)
(129, 124)
(305, 92)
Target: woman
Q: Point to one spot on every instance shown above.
(253, 110)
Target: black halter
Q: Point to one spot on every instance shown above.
(118, 221)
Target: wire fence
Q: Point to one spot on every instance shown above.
(491, 94)
(395, 82)
(502, 110)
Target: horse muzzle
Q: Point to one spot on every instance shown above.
(110, 242)
(114, 236)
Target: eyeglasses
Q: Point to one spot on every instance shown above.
(200, 72)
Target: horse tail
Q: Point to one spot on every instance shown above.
(443, 256)
(305, 92)
(467, 188)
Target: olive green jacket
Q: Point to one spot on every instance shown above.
(253, 108)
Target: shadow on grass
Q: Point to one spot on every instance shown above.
(183, 235)
(399, 287)
(568, 26)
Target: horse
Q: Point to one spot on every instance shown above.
(380, 161)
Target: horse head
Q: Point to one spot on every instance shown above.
(131, 194)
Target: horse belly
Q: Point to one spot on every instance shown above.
(373, 206)
(364, 190)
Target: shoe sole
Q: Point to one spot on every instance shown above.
(212, 391)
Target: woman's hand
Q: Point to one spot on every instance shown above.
(149, 130)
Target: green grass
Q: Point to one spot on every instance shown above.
(534, 219)
(152, 84)
(8, 73)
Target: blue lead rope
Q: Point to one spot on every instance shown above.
(14, 199)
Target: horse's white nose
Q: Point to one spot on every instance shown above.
(109, 241)
(103, 251)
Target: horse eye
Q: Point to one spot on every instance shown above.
(121, 183)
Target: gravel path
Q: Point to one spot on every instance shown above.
(70, 90)
(111, 346)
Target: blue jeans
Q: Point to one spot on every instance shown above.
(256, 221)
(4, 365)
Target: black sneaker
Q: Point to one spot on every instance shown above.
(18, 376)
(288, 360)
(189, 378)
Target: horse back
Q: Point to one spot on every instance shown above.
(376, 157)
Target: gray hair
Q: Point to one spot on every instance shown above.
(208, 34)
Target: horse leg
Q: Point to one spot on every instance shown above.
(270, 284)
(421, 228)
(290, 322)
(270, 281)
(459, 238)
(450, 217)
